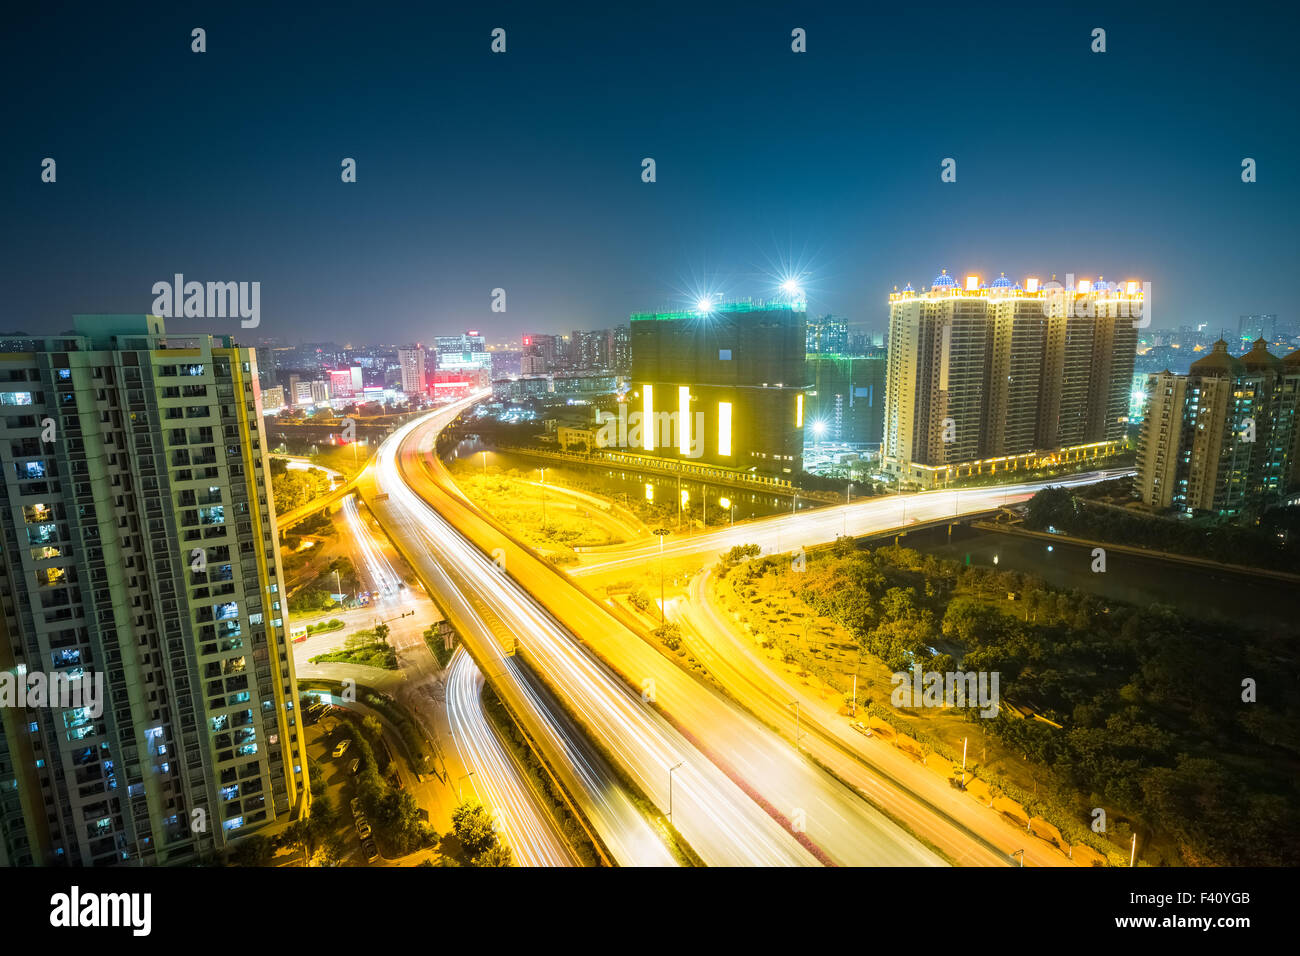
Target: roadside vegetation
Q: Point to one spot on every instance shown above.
(541, 781)
(1138, 710)
(291, 488)
(370, 648)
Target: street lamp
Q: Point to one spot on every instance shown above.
(726, 503)
(670, 789)
(543, 471)
(484, 454)
(661, 533)
(460, 789)
(338, 584)
(797, 735)
(1021, 854)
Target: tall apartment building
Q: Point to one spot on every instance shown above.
(549, 348)
(732, 377)
(410, 362)
(620, 348)
(827, 335)
(139, 547)
(1224, 437)
(983, 377)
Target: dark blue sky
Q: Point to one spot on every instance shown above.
(522, 170)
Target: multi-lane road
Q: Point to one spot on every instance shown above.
(806, 529)
(741, 795)
(605, 707)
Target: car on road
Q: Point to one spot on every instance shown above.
(368, 848)
(363, 829)
(342, 748)
(356, 806)
(352, 767)
(861, 728)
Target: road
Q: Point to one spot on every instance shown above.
(741, 795)
(969, 833)
(479, 757)
(453, 572)
(779, 533)
(497, 779)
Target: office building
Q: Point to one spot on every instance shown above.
(981, 378)
(723, 384)
(139, 548)
(1221, 439)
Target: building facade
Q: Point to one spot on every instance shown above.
(997, 375)
(827, 336)
(1223, 438)
(410, 362)
(845, 399)
(139, 547)
(724, 386)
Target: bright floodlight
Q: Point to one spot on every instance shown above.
(790, 287)
(704, 304)
(819, 429)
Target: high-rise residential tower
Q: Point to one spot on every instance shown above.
(1225, 437)
(414, 379)
(139, 549)
(999, 376)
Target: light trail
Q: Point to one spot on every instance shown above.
(532, 840)
(723, 824)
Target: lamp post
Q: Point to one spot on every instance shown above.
(670, 789)
(543, 471)
(848, 494)
(484, 454)
(854, 704)
(726, 503)
(661, 533)
(338, 583)
(795, 705)
(460, 789)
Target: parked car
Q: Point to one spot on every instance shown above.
(352, 767)
(368, 848)
(356, 806)
(342, 748)
(363, 829)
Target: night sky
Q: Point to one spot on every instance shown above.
(523, 170)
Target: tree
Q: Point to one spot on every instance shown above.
(670, 634)
(381, 632)
(473, 828)
(301, 834)
(494, 856)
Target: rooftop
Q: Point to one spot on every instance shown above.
(739, 306)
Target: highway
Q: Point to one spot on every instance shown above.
(768, 795)
(497, 778)
(491, 772)
(970, 834)
(805, 529)
(441, 560)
